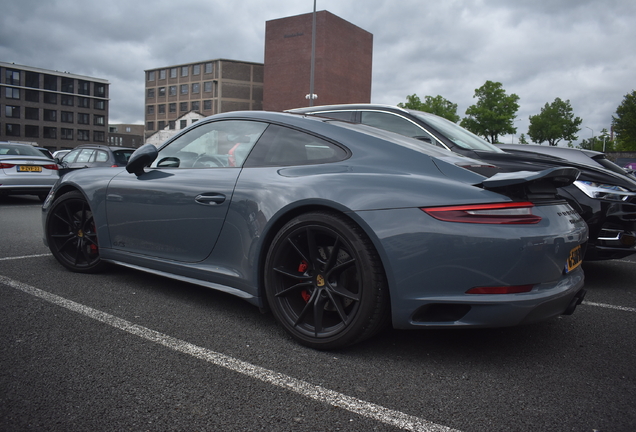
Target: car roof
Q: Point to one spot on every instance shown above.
(102, 146)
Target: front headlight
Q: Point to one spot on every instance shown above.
(604, 191)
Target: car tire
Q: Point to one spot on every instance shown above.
(71, 234)
(325, 283)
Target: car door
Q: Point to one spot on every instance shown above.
(176, 209)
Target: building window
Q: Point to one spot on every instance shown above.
(100, 90)
(162, 92)
(207, 86)
(50, 98)
(184, 71)
(99, 120)
(172, 107)
(12, 111)
(83, 118)
(83, 135)
(98, 136)
(150, 109)
(67, 134)
(208, 68)
(66, 117)
(50, 82)
(183, 106)
(67, 100)
(151, 76)
(128, 129)
(50, 115)
(13, 77)
(151, 93)
(173, 72)
(100, 104)
(49, 132)
(171, 124)
(183, 124)
(162, 74)
(150, 126)
(31, 113)
(31, 131)
(172, 90)
(195, 105)
(67, 85)
(161, 109)
(207, 105)
(184, 89)
(161, 125)
(196, 69)
(32, 96)
(196, 87)
(32, 79)
(12, 93)
(12, 129)
(83, 102)
(83, 87)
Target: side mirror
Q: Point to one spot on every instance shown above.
(141, 158)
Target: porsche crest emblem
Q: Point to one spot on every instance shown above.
(320, 280)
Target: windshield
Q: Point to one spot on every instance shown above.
(456, 133)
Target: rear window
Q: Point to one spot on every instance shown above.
(25, 150)
(122, 156)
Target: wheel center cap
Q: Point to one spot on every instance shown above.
(320, 280)
(80, 233)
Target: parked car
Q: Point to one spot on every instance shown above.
(25, 171)
(338, 229)
(604, 195)
(45, 152)
(95, 155)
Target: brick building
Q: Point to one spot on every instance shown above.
(56, 110)
(343, 62)
(126, 135)
(206, 87)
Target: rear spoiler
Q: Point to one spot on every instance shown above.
(557, 177)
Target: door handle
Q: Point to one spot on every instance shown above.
(210, 199)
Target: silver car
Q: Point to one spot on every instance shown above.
(24, 170)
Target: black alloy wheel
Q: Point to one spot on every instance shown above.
(71, 234)
(325, 283)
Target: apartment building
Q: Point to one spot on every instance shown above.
(206, 87)
(56, 110)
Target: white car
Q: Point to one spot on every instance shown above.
(25, 171)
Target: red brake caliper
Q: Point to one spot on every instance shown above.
(302, 268)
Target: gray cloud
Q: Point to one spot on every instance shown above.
(581, 50)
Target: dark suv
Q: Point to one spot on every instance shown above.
(95, 155)
(606, 199)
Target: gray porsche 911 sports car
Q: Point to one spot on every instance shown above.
(337, 228)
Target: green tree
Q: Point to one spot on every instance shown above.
(624, 123)
(555, 122)
(493, 114)
(522, 139)
(435, 105)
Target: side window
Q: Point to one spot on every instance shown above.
(338, 115)
(224, 143)
(84, 155)
(101, 156)
(282, 146)
(393, 123)
(70, 157)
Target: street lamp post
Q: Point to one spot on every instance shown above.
(592, 140)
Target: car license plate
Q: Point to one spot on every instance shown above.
(574, 260)
(29, 168)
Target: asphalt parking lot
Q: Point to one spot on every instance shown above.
(124, 350)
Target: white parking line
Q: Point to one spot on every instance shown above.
(23, 257)
(303, 388)
(621, 308)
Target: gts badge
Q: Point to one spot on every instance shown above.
(120, 244)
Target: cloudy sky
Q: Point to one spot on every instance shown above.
(578, 50)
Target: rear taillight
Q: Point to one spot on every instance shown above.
(6, 165)
(513, 289)
(498, 213)
(51, 167)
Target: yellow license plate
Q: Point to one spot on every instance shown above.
(29, 168)
(575, 258)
